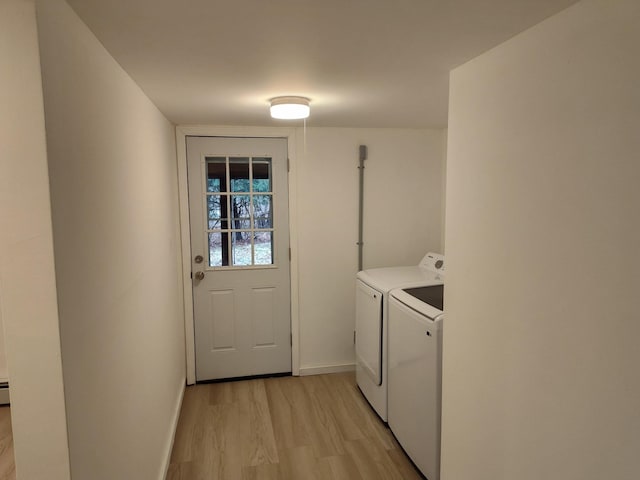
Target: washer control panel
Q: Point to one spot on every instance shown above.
(433, 262)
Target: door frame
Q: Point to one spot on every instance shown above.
(182, 132)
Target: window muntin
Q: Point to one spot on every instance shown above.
(239, 211)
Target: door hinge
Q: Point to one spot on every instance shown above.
(291, 339)
(288, 165)
(289, 253)
(354, 337)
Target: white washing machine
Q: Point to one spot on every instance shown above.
(372, 309)
(415, 373)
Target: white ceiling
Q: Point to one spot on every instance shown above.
(363, 63)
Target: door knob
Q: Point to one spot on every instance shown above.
(199, 275)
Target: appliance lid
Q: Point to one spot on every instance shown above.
(408, 297)
(431, 295)
(385, 279)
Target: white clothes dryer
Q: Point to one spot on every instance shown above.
(372, 313)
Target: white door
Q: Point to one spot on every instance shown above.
(238, 209)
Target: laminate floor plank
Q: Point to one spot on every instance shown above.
(323, 428)
(299, 462)
(267, 471)
(220, 393)
(191, 415)
(220, 451)
(7, 461)
(354, 423)
(254, 424)
(372, 460)
(289, 424)
(178, 471)
(285, 428)
(403, 464)
(376, 429)
(342, 467)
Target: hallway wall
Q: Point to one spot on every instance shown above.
(115, 223)
(28, 304)
(540, 367)
(4, 369)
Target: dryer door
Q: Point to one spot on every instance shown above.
(369, 330)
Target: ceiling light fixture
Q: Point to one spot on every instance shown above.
(290, 108)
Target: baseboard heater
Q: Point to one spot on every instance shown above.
(4, 393)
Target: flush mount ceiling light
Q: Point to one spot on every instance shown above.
(290, 108)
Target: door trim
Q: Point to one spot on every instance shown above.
(182, 132)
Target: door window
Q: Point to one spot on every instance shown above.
(239, 211)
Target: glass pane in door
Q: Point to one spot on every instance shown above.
(239, 174)
(241, 245)
(262, 211)
(216, 212)
(218, 249)
(263, 247)
(261, 174)
(216, 174)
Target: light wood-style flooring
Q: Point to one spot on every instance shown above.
(317, 427)
(7, 462)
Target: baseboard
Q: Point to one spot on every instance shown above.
(320, 369)
(174, 427)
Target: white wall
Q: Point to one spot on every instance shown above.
(4, 369)
(114, 200)
(27, 281)
(443, 211)
(541, 338)
(403, 200)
